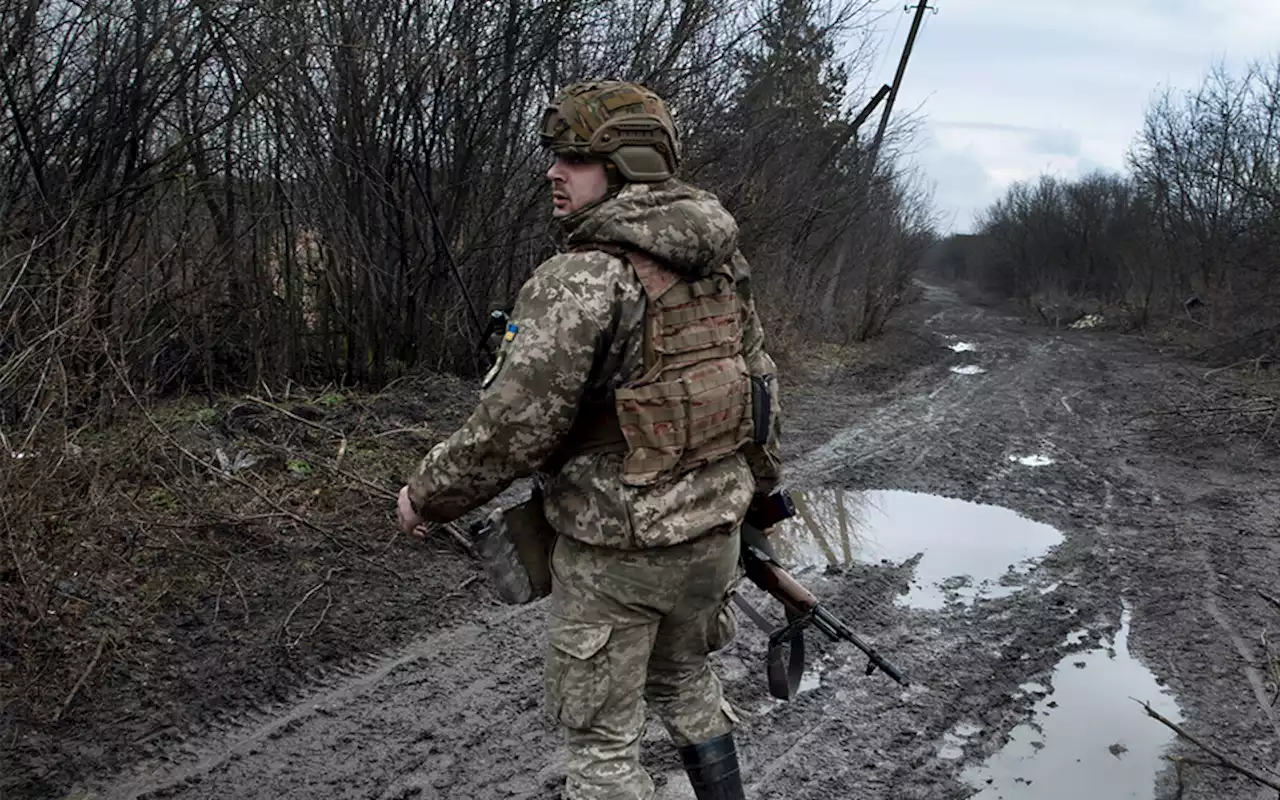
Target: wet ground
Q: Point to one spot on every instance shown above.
(1063, 751)
(993, 508)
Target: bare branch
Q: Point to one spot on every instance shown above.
(1222, 760)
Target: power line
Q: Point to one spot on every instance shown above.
(897, 83)
(889, 43)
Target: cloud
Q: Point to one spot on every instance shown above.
(1010, 90)
(971, 164)
(959, 182)
(1044, 141)
(1002, 127)
(1055, 143)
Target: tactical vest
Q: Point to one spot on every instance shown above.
(692, 404)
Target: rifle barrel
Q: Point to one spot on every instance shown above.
(764, 571)
(795, 597)
(835, 629)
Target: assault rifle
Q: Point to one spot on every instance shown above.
(802, 609)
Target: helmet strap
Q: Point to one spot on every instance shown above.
(614, 177)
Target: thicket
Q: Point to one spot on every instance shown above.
(1192, 226)
(215, 195)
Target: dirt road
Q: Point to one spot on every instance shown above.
(1106, 559)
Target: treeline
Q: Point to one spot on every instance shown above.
(1194, 224)
(201, 196)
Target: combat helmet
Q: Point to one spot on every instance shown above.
(623, 123)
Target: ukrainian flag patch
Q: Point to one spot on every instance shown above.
(512, 330)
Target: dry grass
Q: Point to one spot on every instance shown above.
(127, 550)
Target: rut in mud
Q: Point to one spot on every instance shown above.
(991, 507)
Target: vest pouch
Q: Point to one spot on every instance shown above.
(653, 421)
(763, 454)
(719, 409)
(761, 408)
(514, 547)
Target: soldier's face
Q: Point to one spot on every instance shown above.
(576, 182)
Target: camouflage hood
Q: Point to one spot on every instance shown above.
(682, 226)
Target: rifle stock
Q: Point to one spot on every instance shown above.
(802, 607)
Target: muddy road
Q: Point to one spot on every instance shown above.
(990, 503)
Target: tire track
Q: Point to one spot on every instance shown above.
(458, 713)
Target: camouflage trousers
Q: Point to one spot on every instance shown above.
(630, 630)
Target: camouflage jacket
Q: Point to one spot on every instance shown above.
(578, 332)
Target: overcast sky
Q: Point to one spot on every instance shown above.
(1011, 89)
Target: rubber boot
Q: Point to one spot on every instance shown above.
(713, 769)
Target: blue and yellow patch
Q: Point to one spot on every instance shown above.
(509, 336)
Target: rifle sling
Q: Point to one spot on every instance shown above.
(784, 679)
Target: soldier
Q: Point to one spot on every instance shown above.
(625, 382)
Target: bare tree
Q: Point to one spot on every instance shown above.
(1195, 223)
(227, 194)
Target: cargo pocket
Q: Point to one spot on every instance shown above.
(576, 679)
(722, 627)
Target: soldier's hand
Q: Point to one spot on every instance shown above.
(410, 522)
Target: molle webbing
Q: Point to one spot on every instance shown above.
(692, 405)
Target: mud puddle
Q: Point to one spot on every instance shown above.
(1032, 461)
(962, 550)
(1086, 736)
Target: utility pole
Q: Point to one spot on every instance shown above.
(869, 289)
(871, 106)
(897, 82)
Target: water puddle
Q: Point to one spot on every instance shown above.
(811, 678)
(1087, 737)
(968, 369)
(1076, 637)
(1032, 461)
(954, 740)
(965, 550)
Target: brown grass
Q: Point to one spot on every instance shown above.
(137, 572)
